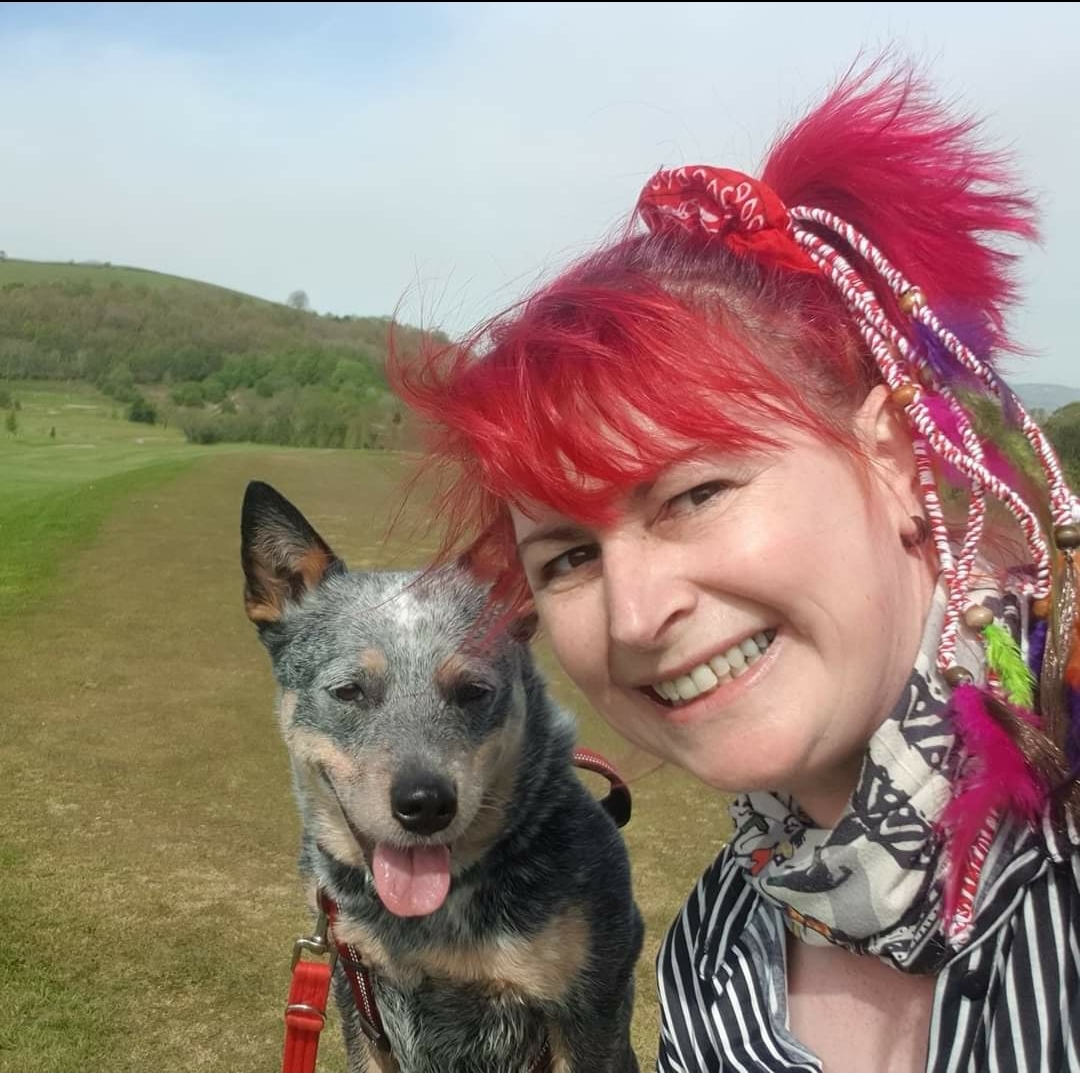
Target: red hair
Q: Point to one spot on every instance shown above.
(655, 347)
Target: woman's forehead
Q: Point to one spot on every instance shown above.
(529, 517)
(616, 499)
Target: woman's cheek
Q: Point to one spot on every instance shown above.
(577, 640)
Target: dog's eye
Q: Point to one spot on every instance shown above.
(470, 693)
(348, 692)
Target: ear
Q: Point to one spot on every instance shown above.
(886, 437)
(282, 555)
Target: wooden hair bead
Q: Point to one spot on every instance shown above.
(1067, 536)
(958, 676)
(1040, 608)
(911, 299)
(905, 394)
(977, 617)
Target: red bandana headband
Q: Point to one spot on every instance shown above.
(708, 202)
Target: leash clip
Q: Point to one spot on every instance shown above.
(317, 944)
(309, 989)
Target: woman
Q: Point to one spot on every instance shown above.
(717, 458)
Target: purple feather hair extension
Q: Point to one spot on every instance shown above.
(1072, 737)
(1011, 407)
(948, 369)
(1037, 645)
(945, 366)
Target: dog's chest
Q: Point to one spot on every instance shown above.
(540, 966)
(454, 1026)
(470, 1005)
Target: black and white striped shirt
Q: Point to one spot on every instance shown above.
(1010, 1000)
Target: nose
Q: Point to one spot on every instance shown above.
(645, 594)
(423, 802)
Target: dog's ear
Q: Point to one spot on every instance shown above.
(282, 555)
(520, 627)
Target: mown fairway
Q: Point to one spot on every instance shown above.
(147, 851)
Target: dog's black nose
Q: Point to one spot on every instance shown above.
(423, 802)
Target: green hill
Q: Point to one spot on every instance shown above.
(96, 273)
(224, 365)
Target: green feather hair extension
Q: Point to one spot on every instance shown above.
(1004, 658)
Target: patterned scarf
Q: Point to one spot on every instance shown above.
(872, 883)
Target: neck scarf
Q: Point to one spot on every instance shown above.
(871, 883)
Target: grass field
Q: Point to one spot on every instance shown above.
(149, 897)
(72, 458)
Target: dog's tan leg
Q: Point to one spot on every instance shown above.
(560, 1058)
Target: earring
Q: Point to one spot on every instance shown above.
(921, 534)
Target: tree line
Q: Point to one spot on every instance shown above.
(226, 367)
(221, 365)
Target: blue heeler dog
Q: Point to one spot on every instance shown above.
(485, 891)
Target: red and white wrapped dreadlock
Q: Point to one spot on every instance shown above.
(1016, 768)
(750, 218)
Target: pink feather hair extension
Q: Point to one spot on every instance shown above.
(993, 459)
(999, 780)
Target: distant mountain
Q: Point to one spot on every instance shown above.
(1046, 397)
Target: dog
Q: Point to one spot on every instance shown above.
(477, 887)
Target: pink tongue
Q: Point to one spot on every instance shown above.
(411, 882)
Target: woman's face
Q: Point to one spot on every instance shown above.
(751, 619)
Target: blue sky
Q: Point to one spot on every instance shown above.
(440, 158)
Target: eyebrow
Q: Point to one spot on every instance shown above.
(564, 533)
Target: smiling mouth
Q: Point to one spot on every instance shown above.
(712, 674)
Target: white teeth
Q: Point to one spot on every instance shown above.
(686, 688)
(705, 677)
(721, 667)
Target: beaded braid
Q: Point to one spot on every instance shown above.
(750, 218)
(702, 201)
(1019, 758)
(911, 378)
(976, 811)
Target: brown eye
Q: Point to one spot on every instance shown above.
(696, 497)
(703, 493)
(348, 692)
(465, 693)
(569, 561)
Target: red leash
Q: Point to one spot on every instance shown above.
(305, 1014)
